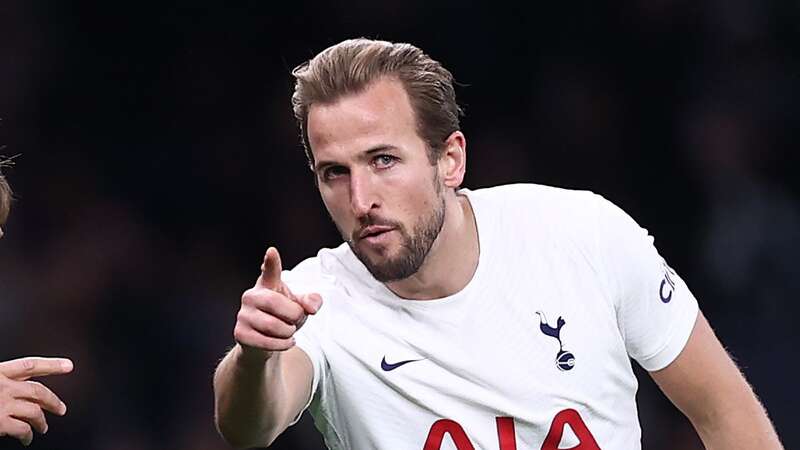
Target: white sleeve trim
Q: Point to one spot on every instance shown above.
(675, 344)
(308, 349)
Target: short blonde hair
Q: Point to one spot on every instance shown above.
(350, 66)
(5, 192)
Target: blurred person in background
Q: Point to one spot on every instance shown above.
(22, 400)
(490, 317)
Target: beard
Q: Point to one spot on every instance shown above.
(414, 246)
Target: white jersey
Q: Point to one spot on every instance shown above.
(532, 354)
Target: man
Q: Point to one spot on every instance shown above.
(23, 401)
(457, 319)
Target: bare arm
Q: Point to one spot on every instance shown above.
(263, 383)
(705, 384)
(255, 400)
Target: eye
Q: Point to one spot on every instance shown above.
(384, 161)
(333, 172)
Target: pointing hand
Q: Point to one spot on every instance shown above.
(270, 313)
(23, 402)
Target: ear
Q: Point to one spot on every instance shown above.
(453, 161)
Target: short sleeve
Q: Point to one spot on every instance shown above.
(309, 337)
(655, 310)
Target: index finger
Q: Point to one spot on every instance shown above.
(33, 366)
(40, 394)
(271, 270)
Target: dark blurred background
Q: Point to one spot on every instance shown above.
(160, 159)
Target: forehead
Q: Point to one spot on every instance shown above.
(381, 112)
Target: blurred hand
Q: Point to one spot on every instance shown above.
(271, 313)
(23, 402)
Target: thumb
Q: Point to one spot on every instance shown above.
(311, 303)
(271, 270)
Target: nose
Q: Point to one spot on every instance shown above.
(362, 193)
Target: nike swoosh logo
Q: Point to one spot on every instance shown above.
(388, 367)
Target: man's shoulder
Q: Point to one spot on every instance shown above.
(325, 263)
(532, 191)
(537, 198)
(545, 212)
(330, 269)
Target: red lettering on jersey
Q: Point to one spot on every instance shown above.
(506, 434)
(438, 430)
(571, 417)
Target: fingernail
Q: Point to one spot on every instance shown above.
(46, 427)
(63, 408)
(66, 365)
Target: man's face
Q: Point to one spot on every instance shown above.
(376, 180)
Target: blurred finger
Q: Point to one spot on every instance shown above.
(311, 303)
(24, 368)
(17, 429)
(41, 395)
(30, 413)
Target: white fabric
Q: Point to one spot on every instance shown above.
(544, 252)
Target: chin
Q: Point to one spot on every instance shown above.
(377, 256)
(383, 266)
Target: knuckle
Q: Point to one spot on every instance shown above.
(14, 389)
(36, 391)
(270, 323)
(298, 314)
(278, 328)
(7, 428)
(239, 333)
(252, 295)
(19, 429)
(43, 394)
(34, 418)
(28, 365)
(268, 299)
(257, 298)
(246, 296)
(29, 410)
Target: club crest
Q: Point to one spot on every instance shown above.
(565, 360)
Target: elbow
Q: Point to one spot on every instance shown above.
(238, 439)
(243, 437)
(231, 436)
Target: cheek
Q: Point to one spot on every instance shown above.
(419, 199)
(337, 207)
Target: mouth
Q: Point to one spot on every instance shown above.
(374, 234)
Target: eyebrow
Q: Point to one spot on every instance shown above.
(321, 165)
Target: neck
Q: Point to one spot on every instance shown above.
(452, 260)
